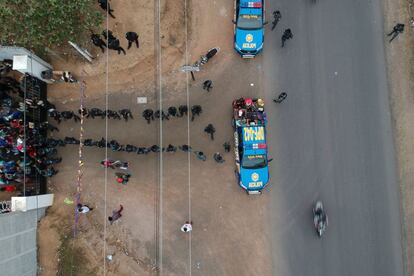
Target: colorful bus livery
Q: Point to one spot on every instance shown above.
(248, 27)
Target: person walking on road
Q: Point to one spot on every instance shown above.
(116, 214)
(282, 96)
(210, 130)
(132, 37)
(397, 29)
(187, 227)
(287, 34)
(276, 18)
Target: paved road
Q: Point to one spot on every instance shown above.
(332, 140)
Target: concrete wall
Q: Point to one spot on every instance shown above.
(18, 248)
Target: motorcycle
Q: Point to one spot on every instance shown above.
(320, 218)
(205, 58)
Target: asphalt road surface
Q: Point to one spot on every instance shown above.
(331, 140)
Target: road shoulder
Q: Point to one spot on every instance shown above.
(399, 55)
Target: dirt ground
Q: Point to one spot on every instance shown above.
(147, 239)
(400, 58)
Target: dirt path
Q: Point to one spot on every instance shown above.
(400, 58)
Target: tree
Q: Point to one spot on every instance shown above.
(37, 24)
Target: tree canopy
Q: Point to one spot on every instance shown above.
(37, 24)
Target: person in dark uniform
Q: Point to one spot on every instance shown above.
(131, 148)
(98, 42)
(171, 148)
(183, 110)
(172, 110)
(210, 130)
(148, 115)
(287, 34)
(195, 111)
(106, 7)
(396, 30)
(276, 18)
(200, 155)
(132, 37)
(282, 96)
(155, 148)
(185, 148)
(115, 45)
(126, 113)
(218, 158)
(108, 35)
(207, 85)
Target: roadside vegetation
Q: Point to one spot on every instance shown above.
(41, 24)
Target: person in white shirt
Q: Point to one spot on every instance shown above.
(187, 227)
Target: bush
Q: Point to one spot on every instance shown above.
(37, 24)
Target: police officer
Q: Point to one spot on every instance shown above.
(106, 7)
(183, 109)
(154, 148)
(67, 115)
(148, 115)
(287, 34)
(97, 112)
(116, 45)
(132, 37)
(160, 113)
(131, 148)
(108, 35)
(185, 148)
(171, 148)
(172, 110)
(126, 113)
(207, 85)
(98, 42)
(195, 111)
(210, 130)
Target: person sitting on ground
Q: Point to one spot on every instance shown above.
(83, 208)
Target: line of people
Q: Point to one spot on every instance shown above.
(172, 111)
(93, 112)
(113, 42)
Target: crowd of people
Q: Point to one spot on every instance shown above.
(25, 154)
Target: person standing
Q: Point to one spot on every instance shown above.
(132, 37)
(200, 155)
(116, 214)
(210, 130)
(183, 110)
(115, 45)
(195, 111)
(282, 96)
(148, 115)
(106, 7)
(276, 18)
(218, 158)
(226, 146)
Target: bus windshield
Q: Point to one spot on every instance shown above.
(254, 161)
